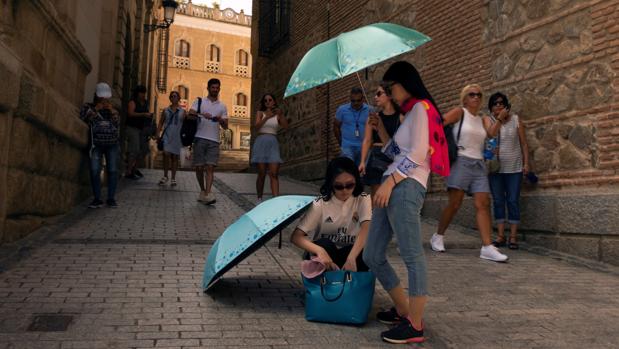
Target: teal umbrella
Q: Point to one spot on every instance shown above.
(350, 52)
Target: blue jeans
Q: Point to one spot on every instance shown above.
(505, 189)
(352, 152)
(111, 153)
(402, 218)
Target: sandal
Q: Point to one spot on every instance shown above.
(513, 245)
(499, 242)
(173, 182)
(163, 180)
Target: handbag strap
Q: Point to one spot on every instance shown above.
(169, 123)
(347, 278)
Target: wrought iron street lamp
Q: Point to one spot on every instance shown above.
(169, 9)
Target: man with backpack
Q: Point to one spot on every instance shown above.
(103, 121)
(210, 114)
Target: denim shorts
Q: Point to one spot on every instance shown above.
(205, 152)
(469, 175)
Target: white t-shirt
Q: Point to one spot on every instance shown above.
(209, 129)
(339, 221)
(472, 136)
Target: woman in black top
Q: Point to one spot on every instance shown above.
(373, 161)
(139, 121)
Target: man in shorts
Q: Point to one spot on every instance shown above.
(211, 114)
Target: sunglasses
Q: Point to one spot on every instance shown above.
(379, 93)
(347, 186)
(498, 103)
(474, 94)
(356, 100)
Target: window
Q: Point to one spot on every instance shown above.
(243, 58)
(273, 25)
(241, 99)
(183, 91)
(181, 48)
(214, 54)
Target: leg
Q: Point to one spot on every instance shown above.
(513, 183)
(166, 163)
(210, 172)
(95, 171)
(174, 160)
(111, 160)
(453, 205)
(497, 188)
(482, 214)
(404, 212)
(200, 177)
(274, 179)
(262, 173)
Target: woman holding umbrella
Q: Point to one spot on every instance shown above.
(398, 202)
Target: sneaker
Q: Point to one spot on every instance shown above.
(437, 243)
(492, 253)
(96, 203)
(202, 197)
(173, 182)
(389, 317)
(403, 333)
(138, 173)
(163, 180)
(210, 199)
(111, 204)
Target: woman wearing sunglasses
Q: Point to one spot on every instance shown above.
(265, 152)
(469, 174)
(337, 222)
(397, 205)
(373, 162)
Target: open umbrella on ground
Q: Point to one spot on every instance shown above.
(252, 230)
(351, 52)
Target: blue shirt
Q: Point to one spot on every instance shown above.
(352, 120)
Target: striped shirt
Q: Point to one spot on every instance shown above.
(510, 153)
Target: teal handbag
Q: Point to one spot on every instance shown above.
(343, 297)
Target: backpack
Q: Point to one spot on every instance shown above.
(190, 127)
(102, 130)
(452, 143)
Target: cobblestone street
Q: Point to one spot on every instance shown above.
(131, 278)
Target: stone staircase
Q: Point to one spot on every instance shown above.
(229, 161)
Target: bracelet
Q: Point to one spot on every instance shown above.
(394, 181)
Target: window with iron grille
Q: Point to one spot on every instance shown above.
(181, 48)
(241, 99)
(243, 58)
(214, 53)
(274, 25)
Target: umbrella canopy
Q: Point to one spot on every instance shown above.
(350, 52)
(250, 232)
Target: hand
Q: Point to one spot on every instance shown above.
(351, 264)
(503, 114)
(326, 259)
(374, 120)
(206, 115)
(362, 168)
(381, 198)
(525, 169)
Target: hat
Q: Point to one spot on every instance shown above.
(313, 267)
(103, 90)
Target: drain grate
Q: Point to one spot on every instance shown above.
(50, 322)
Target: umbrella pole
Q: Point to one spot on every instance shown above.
(362, 88)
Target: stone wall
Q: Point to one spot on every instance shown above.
(556, 59)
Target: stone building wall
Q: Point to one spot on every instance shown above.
(47, 51)
(556, 59)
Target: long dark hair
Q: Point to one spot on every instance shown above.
(336, 167)
(263, 106)
(406, 74)
(394, 104)
(137, 90)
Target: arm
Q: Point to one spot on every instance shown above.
(524, 147)
(492, 128)
(362, 237)
(131, 111)
(261, 119)
(336, 130)
(160, 123)
(298, 238)
(453, 116)
(87, 113)
(365, 146)
(223, 119)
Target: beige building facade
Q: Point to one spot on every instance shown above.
(208, 43)
(52, 54)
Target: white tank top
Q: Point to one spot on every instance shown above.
(472, 136)
(270, 126)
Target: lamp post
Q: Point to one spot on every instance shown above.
(169, 9)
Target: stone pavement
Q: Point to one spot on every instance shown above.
(131, 278)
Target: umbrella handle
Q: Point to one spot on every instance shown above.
(362, 88)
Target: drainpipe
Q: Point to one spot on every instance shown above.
(328, 124)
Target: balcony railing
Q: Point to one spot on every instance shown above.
(241, 70)
(241, 111)
(181, 62)
(212, 67)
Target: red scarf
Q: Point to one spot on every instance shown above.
(439, 154)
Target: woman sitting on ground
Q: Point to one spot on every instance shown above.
(337, 222)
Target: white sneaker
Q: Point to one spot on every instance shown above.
(436, 242)
(202, 197)
(492, 253)
(209, 199)
(163, 180)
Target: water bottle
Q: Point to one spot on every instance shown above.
(489, 149)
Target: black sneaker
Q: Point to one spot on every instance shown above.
(403, 333)
(138, 173)
(389, 317)
(111, 204)
(95, 203)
